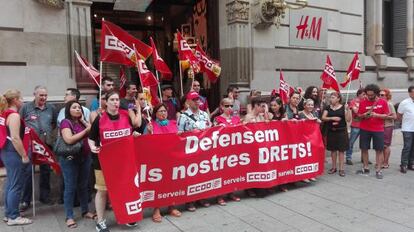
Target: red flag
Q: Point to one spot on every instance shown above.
(159, 63)
(148, 80)
(122, 81)
(328, 76)
(284, 89)
(117, 45)
(92, 72)
(208, 65)
(146, 76)
(353, 71)
(151, 95)
(185, 53)
(41, 154)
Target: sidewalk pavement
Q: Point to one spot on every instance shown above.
(333, 203)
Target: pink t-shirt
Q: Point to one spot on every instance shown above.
(373, 124)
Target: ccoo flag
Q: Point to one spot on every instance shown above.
(328, 76)
(353, 71)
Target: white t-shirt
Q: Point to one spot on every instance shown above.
(61, 115)
(406, 108)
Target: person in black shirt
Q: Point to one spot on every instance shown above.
(336, 116)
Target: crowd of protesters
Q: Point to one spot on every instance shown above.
(370, 114)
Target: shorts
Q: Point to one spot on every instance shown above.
(100, 181)
(365, 140)
(388, 135)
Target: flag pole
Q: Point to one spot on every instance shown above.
(181, 78)
(140, 80)
(100, 77)
(347, 93)
(159, 84)
(33, 190)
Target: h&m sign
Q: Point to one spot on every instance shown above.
(308, 28)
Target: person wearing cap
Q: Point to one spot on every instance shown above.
(204, 103)
(193, 119)
(171, 102)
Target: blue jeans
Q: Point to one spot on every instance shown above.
(44, 183)
(352, 139)
(407, 153)
(73, 171)
(14, 183)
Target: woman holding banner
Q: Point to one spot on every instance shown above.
(259, 114)
(112, 118)
(337, 115)
(292, 111)
(276, 109)
(161, 125)
(13, 155)
(227, 119)
(75, 168)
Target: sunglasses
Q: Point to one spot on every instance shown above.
(228, 106)
(196, 99)
(382, 95)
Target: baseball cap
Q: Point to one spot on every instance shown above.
(192, 95)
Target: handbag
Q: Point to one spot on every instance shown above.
(68, 151)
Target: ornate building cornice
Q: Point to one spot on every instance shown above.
(53, 3)
(238, 11)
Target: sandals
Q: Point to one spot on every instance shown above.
(204, 203)
(190, 207)
(221, 202)
(174, 212)
(157, 218)
(71, 224)
(283, 188)
(332, 171)
(89, 215)
(385, 166)
(19, 221)
(234, 197)
(342, 173)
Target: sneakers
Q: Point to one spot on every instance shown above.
(101, 226)
(349, 162)
(379, 175)
(363, 171)
(19, 221)
(132, 224)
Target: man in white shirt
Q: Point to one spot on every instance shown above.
(406, 112)
(72, 94)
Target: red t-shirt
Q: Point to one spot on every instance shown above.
(355, 119)
(373, 124)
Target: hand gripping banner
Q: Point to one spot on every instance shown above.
(170, 169)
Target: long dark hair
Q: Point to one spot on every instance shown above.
(308, 94)
(67, 109)
(281, 109)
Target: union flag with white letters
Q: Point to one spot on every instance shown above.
(328, 76)
(353, 71)
(185, 53)
(209, 66)
(117, 45)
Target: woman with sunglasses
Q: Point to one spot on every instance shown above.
(226, 119)
(388, 126)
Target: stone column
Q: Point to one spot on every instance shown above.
(80, 37)
(379, 54)
(235, 44)
(410, 26)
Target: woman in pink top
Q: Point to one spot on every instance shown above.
(161, 125)
(226, 119)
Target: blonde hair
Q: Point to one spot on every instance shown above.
(7, 98)
(226, 99)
